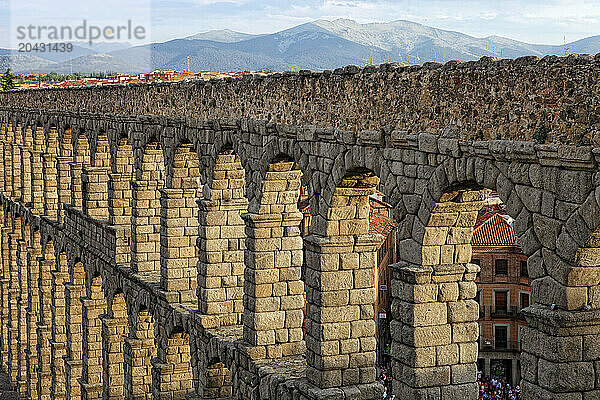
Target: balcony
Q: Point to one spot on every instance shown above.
(487, 344)
(506, 312)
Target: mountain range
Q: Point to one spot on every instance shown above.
(316, 45)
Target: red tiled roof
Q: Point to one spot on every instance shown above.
(381, 224)
(487, 211)
(494, 231)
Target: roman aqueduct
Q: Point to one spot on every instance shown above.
(151, 249)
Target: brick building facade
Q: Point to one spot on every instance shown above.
(503, 289)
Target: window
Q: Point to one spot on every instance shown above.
(501, 302)
(501, 266)
(500, 337)
(524, 300)
(524, 268)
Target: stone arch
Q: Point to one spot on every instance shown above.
(65, 139)
(274, 249)
(114, 332)
(82, 149)
(140, 348)
(145, 221)
(340, 279)
(120, 198)
(58, 336)
(277, 148)
(212, 371)
(100, 154)
(74, 290)
(93, 308)
(216, 381)
(171, 369)
(179, 225)
(435, 283)
(221, 238)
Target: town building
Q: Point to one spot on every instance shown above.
(503, 290)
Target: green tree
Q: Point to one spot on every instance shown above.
(8, 81)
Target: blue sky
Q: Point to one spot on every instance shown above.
(532, 21)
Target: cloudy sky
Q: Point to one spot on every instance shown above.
(534, 21)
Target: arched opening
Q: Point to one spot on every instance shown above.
(81, 159)
(216, 381)
(50, 173)
(172, 371)
(221, 242)
(273, 264)
(120, 200)
(179, 226)
(145, 228)
(93, 308)
(94, 179)
(114, 331)
(63, 166)
(340, 279)
(46, 265)
(74, 290)
(140, 348)
(58, 337)
(458, 294)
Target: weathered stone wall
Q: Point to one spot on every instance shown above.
(236, 329)
(491, 99)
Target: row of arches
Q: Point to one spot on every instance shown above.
(218, 225)
(71, 330)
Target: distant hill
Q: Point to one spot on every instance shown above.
(316, 45)
(222, 35)
(20, 63)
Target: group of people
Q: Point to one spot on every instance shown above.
(490, 388)
(496, 388)
(385, 378)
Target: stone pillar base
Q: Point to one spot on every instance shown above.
(560, 356)
(434, 331)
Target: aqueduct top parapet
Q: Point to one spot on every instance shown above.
(487, 99)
